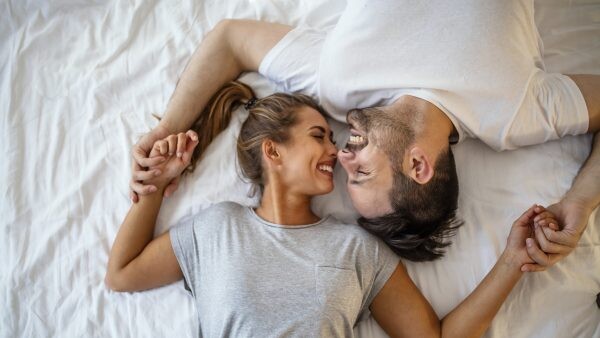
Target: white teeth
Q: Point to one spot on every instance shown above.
(325, 167)
(356, 139)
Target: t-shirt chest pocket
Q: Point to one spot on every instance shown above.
(337, 288)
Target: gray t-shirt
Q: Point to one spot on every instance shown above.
(252, 278)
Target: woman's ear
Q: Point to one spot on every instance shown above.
(270, 152)
(420, 166)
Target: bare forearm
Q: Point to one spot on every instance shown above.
(135, 233)
(474, 315)
(212, 65)
(589, 85)
(586, 186)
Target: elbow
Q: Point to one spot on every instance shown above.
(114, 282)
(221, 32)
(222, 25)
(226, 38)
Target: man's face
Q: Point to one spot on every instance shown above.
(370, 173)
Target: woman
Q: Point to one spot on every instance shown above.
(280, 270)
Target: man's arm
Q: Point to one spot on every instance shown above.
(586, 187)
(232, 47)
(589, 85)
(572, 212)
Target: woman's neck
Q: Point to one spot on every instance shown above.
(280, 207)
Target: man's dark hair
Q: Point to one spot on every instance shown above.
(424, 216)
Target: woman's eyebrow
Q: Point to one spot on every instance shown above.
(318, 127)
(323, 130)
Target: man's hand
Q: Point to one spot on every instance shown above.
(555, 242)
(141, 161)
(171, 169)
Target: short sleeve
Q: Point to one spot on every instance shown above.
(552, 107)
(385, 263)
(293, 63)
(185, 248)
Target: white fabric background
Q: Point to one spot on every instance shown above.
(79, 81)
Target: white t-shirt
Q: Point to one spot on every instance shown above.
(479, 61)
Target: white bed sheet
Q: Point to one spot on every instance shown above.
(79, 81)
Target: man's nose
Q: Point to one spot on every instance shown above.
(344, 155)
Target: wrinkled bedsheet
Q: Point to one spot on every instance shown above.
(79, 82)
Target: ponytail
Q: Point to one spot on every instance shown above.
(216, 116)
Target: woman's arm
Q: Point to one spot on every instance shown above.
(136, 261)
(232, 47)
(402, 311)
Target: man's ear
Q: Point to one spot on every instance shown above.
(420, 167)
(270, 152)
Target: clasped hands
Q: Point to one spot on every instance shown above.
(171, 155)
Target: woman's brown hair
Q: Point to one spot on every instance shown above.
(269, 118)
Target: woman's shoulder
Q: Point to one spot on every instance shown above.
(351, 230)
(220, 211)
(227, 206)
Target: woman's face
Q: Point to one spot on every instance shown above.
(309, 156)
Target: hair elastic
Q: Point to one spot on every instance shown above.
(250, 103)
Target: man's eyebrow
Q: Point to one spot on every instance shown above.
(360, 182)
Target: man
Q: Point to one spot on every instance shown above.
(435, 72)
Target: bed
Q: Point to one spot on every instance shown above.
(79, 82)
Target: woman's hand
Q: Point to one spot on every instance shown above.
(520, 240)
(178, 150)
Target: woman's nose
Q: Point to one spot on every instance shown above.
(332, 151)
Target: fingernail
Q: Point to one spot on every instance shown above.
(179, 154)
(529, 242)
(157, 173)
(535, 225)
(152, 189)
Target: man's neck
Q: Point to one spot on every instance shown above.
(430, 120)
